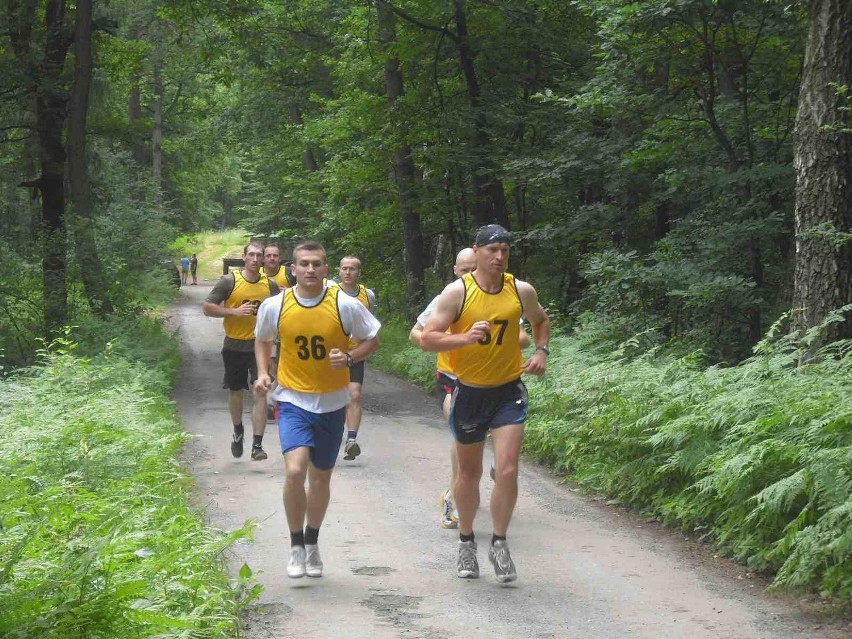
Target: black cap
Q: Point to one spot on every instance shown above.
(490, 234)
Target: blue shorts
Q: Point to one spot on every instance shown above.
(475, 411)
(321, 432)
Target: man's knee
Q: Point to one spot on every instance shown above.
(355, 393)
(296, 473)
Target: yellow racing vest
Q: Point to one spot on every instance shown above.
(364, 299)
(307, 335)
(280, 277)
(242, 326)
(496, 359)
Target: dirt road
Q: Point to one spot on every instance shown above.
(586, 570)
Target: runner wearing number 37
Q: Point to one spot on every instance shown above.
(482, 311)
(314, 324)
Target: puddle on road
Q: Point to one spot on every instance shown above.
(372, 571)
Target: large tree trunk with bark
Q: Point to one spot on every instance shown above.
(490, 198)
(414, 259)
(51, 108)
(823, 163)
(79, 188)
(157, 138)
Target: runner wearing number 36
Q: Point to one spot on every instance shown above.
(314, 324)
(482, 311)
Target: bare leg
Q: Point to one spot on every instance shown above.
(295, 498)
(467, 484)
(454, 459)
(258, 412)
(319, 493)
(353, 409)
(507, 441)
(235, 405)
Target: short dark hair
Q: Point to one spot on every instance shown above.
(272, 246)
(257, 243)
(312, 246)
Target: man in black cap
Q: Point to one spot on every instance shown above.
(481, 311)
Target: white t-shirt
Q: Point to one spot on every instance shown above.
(356, 320)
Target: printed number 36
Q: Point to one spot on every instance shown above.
(316, 350)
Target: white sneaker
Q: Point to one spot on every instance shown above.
(351, 450)
(296, 565)
(449, 514)
(313, 563)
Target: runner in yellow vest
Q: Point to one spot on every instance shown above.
(482, 311)
(272, 267)
(445, 382)
(350, 273)
(314, 324)
(236, 297)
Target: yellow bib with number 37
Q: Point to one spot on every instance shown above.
(307, 336)
(495, 359)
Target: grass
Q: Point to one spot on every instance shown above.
(211, 247)
(96, 535)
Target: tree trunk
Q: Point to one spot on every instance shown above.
(50, 117)
(157, 139)
(490, 199)
(823, 163)
(414, 261)
(80, 191)
(309, 157)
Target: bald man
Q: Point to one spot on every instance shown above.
(445, 382)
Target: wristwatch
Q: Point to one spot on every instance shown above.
(543, 348)
(349, 361)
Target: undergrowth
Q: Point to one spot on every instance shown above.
(96, 535)
(757, 457)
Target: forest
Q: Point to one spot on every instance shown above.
(677, 175)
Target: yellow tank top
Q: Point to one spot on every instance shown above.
(307, 335)
(361, 297)
(242, 326)
(497, 358)
(445, 362)
(280, 277)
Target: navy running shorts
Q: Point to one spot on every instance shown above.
(474, 411)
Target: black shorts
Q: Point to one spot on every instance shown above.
(356, 373)
(444, 385)
(475, 411)
(240, 369)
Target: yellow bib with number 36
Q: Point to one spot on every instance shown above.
(307, 336)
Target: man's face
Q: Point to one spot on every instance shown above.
(464, 266)
(309, 267)
(271, 258)
(492, 257)
(350, 271)
(253, 257)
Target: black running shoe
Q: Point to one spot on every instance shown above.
(237, 445)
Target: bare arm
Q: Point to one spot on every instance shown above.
(523, 337)
(337, 358)
(435, 338)
(416, 333)
(262, 353)
(537, 363)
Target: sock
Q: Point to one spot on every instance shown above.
(497, 538)
(297, 538)
(311, 535)
(352, 434)
(257, 441)
(463, 537)
(238, 430)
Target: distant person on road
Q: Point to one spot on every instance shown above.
(184, 269)
(313, 324)
(481, 311)
(350, 273)
(193, 269)
(236, 298)
(445, 382)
